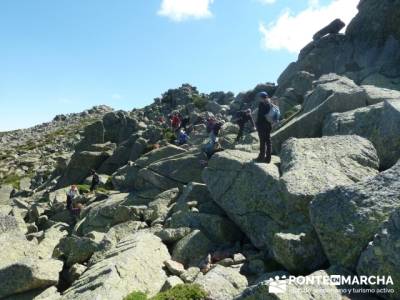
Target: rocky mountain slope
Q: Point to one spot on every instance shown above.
(327, 204)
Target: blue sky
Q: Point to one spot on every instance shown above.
(68, 55)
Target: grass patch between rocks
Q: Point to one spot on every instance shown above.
(83, 188)
(179, 292)
(11, 179)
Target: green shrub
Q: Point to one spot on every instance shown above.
(182, 292)
(136, 296)
(179, 292)
(169, 135)
(200, 102)
(83, 188)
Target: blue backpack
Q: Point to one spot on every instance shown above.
(274, 114)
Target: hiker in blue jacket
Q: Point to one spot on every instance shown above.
(183, 137)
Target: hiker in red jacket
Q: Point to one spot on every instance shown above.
(175, 122)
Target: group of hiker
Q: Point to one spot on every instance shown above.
(179, 126)
(268, 114)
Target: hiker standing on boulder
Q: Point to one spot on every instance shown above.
(243, 117)
(95, 181)
(264, 128)
(213, 127)
(71, 195)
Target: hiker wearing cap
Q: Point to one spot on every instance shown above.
(71, 195)
(264, 128)
(243, 117)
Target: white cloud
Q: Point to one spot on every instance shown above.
(180, 10)
(293, 31)
(116, 96)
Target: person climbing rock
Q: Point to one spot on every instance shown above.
(71, 195)
(95, 181)
(183, 137)
(213, 127)
(264, 128)
(243, 117)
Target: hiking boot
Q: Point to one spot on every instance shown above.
(259, 160)
(263, 160)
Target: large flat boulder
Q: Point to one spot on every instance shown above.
(21, 267)
(382, 256)
(331, 94)
(134, 264)
(118, 208)
(29, 274)
(76, 249)
(159, 208)
(101, 216)
(51, 239)
(92, 134)
(217, 228)
(125, 177)
(311, 166)
(173, 171)
(182, 168)
(222, 283)
(346, 218)
(196, 209)
(298, 250)
(249, 193)
(158, 155)
(335, 86)
(80, 165)
(131, 149)
(377, 95)
(380, 123)
(118, 126)
(193, 249)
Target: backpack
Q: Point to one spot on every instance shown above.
(274, 114)
(238, 116)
